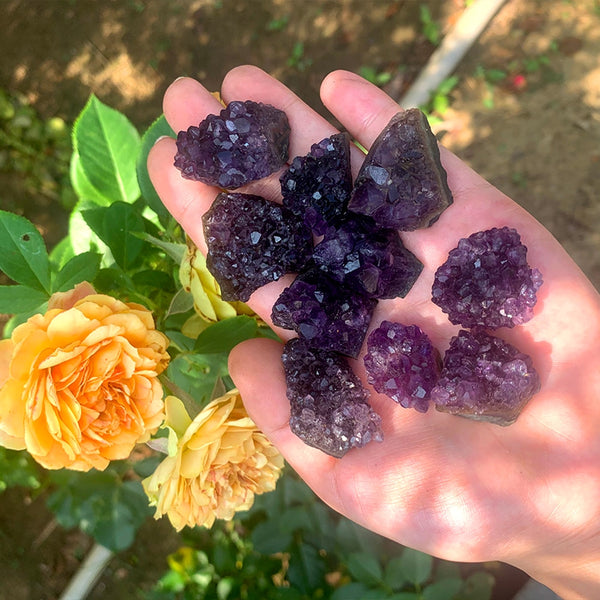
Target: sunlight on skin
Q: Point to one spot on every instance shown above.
(527, 494)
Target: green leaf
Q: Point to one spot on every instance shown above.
(365, 567)
(114, 225)
(16, 299)
(295, 519)
(159, 128)
(101, 505)
(350, 591)
(416, 566)
(23, 255)
(394, 575)
(196, 374)
(307, 569)
(182, 302)
(83, 267)
(267, 537)
(444, 589)
(404, 596)
(108, 145)
(81, 184)
(153, 278)
(350, 536)
(120, 220)
(224, 335)
(175, 251)
(478, 586)
(82, 236)
(61, 254)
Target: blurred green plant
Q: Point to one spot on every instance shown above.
(379, 78)
(18, 469)
(277, 24)
(36, 149)
(430, 28)
(123, 241)
(297, 59)
(440, 100)
(289, 545)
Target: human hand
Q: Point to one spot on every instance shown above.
(528, 494)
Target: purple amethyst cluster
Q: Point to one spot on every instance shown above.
(316, 187)
(359, 259)
(402, 363)
(329, 407)
(252, 241)
(402, 183)
(246, 141)
(486, 281)
(485, 378)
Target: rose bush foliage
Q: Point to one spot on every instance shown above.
(120, 312)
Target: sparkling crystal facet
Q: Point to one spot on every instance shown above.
(368, 259)
(329, 408)
(486, 281)
(327, 315)
(316, 187)
(402, 363)
(245, 142)
(485, 378)
(402, 183)
(252, 241)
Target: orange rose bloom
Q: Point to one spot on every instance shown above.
(81, 387)
(217, 463)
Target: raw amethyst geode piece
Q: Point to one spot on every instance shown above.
(252, 241)
(486, 281)
(402, 363)
(316, 187)
(368, 259)
(327, 315)
(246, 141)
(484, 378)
(402, 183)
(329, 408)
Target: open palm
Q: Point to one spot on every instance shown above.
(528, 494)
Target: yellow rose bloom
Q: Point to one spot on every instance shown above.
(81, 386)
(216, 464)
(198, 280)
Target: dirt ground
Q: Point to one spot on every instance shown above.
(525, 114)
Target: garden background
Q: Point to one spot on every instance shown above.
(523, 109)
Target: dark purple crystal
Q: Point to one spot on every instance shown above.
(252, 241)
(316, 187)
(368, 259)
(485, 378)
(486, 281)
(245, 142)
(329, 408)
(327, 315)
(402, 183)
(402, 363)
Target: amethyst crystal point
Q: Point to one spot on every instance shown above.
(252, 241)
(329, 408)
(246, 141)
(402, 183)
(367, 259)
(484, 378)
(402, 363)
(317, 187)
(327, 315)
(486, 281)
